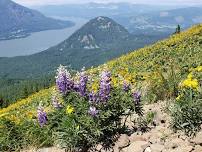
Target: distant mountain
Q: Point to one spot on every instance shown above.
(91, 10)
(17, 21)
(98, 41)
(97, 33)
(161, 21)
(136, 18)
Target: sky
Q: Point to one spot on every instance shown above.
(59, 2)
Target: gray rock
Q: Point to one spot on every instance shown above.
(148, 149)
(50, 149)
(197, 148)
(157, 147)
(138, 146)
(135, 137)
(198, 139)
(181, 149)
(122, 142)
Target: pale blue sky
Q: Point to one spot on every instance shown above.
(170, 2)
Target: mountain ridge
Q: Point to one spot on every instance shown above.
(18, 21)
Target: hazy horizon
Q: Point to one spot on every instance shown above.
(149, 2)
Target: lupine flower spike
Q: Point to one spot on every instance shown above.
(105, 86)
(42, 116)
(137, 97)
(55, 102)
(64, 82)
(126, 86)
(92, 97)
(93, 111)
(83, 82)
(137, 100)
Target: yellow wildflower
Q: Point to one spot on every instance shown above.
(14, 119)
(115, 81)
(29, 114)
(69, 109)
(78, 127)
(199, 69)
(190, 83)
(179, 97)
(95, 87)
(190, 76)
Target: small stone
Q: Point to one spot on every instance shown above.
(99, 147)
(135, 137)
(148, 149)
(157, 147)
(197, 139)
(138, 146)
(173, 143)
(50, 149)
(182, 149)
(197, 148)
(123, 141)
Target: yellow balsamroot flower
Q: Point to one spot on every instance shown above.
(4, 114)
(29, 114)
(95, 87)
(69, 109)
(179, 97)
(190, 83)
(190, 76)
(115, 81)
(199, 69)
(14, 119)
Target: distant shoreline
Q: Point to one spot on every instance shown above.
(24, 35)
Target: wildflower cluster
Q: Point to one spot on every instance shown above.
(105, 86)
(42, 116)
(190, 82)
(83, 83)
(64, 82)
(186, 112)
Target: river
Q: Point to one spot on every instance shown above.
(38, 41)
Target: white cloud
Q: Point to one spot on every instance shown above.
(46, 2)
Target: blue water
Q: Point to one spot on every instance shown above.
(38, 41)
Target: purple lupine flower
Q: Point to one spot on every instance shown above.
(55, 102)
(92, 97)
(42, 116)
(64, 82)
(83, 82)
(93, 111)
(105, 86)
(137, 97)
(76, 87)
(126, 86)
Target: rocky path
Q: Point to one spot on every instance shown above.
(159, 137)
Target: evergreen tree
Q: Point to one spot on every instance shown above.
(178, 29)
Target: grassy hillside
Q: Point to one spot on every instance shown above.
(183, 51)
(88, 109)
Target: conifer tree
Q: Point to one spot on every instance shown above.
(178, 29)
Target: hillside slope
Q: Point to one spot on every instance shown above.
(182, 50)
(18, 21)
